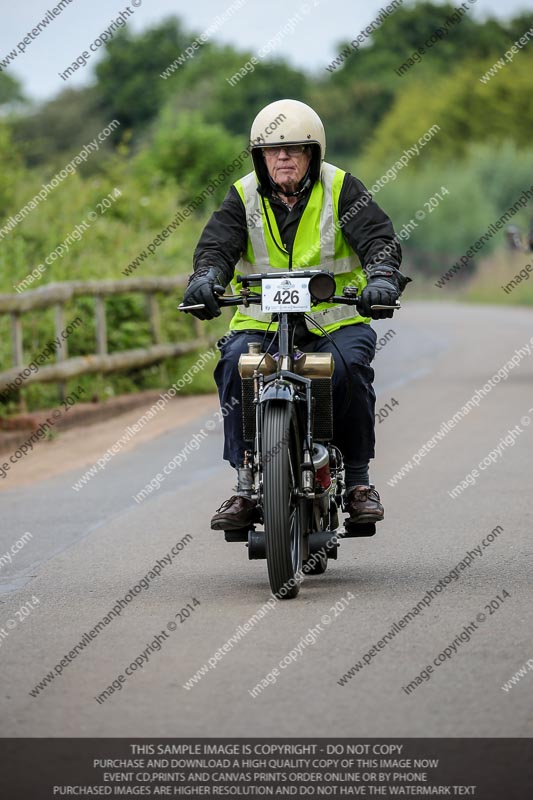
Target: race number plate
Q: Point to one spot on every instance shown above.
(285, 294)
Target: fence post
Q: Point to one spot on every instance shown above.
(197, 325)
(101, 325)
(16, 339)
(62, 350)
(17, 349)
(154, 315)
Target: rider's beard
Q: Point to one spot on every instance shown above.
(288, 181)
(288, 185)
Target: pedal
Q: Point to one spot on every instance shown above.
(355, 530)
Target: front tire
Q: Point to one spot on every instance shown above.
(283, 509)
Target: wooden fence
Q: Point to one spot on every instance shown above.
(58, 295)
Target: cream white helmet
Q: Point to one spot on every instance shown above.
(287, 122)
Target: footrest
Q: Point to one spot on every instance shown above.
(239, 535)
(356, 530)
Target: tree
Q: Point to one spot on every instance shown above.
(350, 114)
(235, 106)
(357, 95)
(410, 27)
(187, 152)
(517, 26)
(59, 127)
(10, 169)
(129, 83)
(10, 90)
(466, 109)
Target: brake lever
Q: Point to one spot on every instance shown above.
(190, 308)
(386, 308)
(217, 289)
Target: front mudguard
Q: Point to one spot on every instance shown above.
(278, 390)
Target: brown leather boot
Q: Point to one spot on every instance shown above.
(237, 512)
(363, 505)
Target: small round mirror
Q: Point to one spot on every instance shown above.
(322, 286)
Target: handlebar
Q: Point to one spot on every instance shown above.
(239, 300)
(350, 296)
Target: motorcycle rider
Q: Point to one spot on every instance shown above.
(295, 210)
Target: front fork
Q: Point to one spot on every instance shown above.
(282, 388)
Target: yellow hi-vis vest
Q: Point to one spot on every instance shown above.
(318, 244)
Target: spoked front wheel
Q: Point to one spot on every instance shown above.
(284, 511)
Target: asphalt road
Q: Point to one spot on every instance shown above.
(89, 548)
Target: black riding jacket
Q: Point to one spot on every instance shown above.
(225, 237)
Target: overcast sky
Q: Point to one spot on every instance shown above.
(312, 45)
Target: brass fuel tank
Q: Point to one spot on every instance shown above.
(309, 365)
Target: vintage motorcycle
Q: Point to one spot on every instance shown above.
(287, 408)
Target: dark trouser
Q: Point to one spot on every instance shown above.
(353, 393)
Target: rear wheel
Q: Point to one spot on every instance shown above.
(283, 509)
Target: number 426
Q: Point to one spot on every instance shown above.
(286, 296)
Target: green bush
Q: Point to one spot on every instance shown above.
(186, 153)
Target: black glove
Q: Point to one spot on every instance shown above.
(201, 289)
(384, 287)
